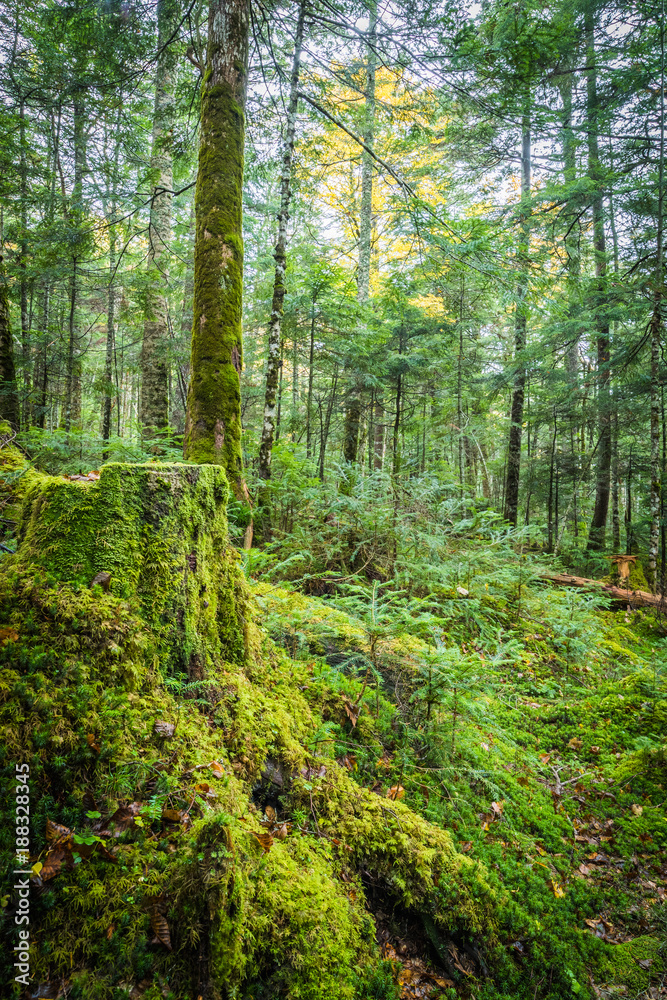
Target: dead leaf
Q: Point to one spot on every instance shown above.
(270, 814)
(8, 635)
(218, 769)
(89, 803)
(466, 846)
(125, 816)
(523, 781)
(636, 810)
(584, 869)
(575, 743)
(55, 831)
(172, 815)
(559, 892)
(281, 832)
(396, 792)
(161, 928)
(265, 840)
(165, 729)
(545, 757)
(91, 740)
(351, 710)
(595, 749)
(645, 963)
(101, 579)
(498, 808)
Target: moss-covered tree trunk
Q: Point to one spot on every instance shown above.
(273, 363)
(213, 420)
(155, 344)
(9, 400)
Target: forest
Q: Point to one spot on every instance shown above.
(333, 528)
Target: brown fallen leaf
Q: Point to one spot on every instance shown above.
(8, 635)
(89, 803)
(172, 815)
(351, 710)
(636, 810)
(558, 890)
(466, 846)
(395, 792)
(56, 831)
(91, 740)
(281, 832)
(498, 808)
(575, 743)
(218, 769)
(584, 869)
(265, 840)
(101, 579)
(125, 816)
(161, 928)
(523, 781)
(164, 729)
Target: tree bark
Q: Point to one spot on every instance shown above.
(520, 326)
(277, 304)
(596, 534)
(26, 348)
(213, 420)
(9, 400)
(154, 414)
(656, 338)
(354, 404)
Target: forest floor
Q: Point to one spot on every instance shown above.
(446, 782)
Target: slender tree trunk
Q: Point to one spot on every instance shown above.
(112, 312)
(324, 436)
(615, 490)
(309, 406)
(183, 367)
(73, 373)
(596, 535)
(275, 327)
(155, 344)
(354, 404)
(26, 349)
(656, 339)
(573, 263)
(520, 326)
(9, 400)
(213, 421)
(396, 454)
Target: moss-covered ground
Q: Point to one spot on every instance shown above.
(325, 800)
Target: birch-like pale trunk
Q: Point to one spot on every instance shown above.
(596, 534)
(520, 328)
(277, 304)
(154, 414)
(656, 343)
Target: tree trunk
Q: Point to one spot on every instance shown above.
(155, 344)
(26, 350)
(9, 400)
(573, 263)
(309, 405)
(275, 327)
(596, 535)
(520, 325)
(656, 337)
(354, 405)
(73, 373)
(213, 420)
(183, 368)
(615, 491)
(112, 313)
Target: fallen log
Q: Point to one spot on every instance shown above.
(633, 598)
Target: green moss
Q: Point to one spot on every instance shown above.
(213, 427)
(619, 965)
(161, 532)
